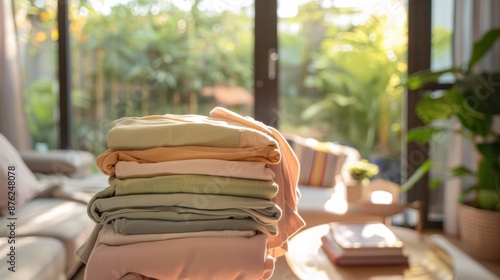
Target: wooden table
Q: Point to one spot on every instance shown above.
(307, 259)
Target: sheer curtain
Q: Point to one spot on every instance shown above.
(473, 18)
(12, 119)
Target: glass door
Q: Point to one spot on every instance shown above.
(133, 58)
(341, 65)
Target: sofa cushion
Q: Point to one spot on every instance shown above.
(19, 184)
(318, 168)
(320, 162)
(40, 258)
(64, 220)
(71, 163)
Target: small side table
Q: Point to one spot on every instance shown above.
(307, 259)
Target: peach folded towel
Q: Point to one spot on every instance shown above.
(107, 160)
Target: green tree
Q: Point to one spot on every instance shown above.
(354, 75)
(155, 59)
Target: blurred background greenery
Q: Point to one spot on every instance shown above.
(340, 66)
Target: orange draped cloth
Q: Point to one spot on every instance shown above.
(286, 176)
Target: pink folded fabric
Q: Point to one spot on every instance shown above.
(186, 258)
(214, 167)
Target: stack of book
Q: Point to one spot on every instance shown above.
(363, 244)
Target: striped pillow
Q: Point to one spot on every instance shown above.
(318, 167)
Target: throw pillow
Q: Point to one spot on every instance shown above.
(18, 184)
(70, 163)
(318, 168)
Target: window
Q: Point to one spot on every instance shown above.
(341, 64)
(37, 32)
(441, 58)
(133, 58)
(182, 56)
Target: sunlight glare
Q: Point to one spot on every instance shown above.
(381, 197)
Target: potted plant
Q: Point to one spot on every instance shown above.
(360, 172)
(474, 101)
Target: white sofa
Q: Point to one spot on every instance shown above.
(47, 214)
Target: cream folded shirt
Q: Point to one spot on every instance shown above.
(109, 236)
(140, 133)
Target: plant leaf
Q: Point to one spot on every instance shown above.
(342, 100)
(465, 192)
(488, 199)
(460, 171)
(441, 108)
(477, 123)
(482, 46)
(488, 175)
(482, 93)
(417, 175)
(422, 134)
(419, 79)
(490, 151)
(314, 110)
(435, 183)
(455, 172)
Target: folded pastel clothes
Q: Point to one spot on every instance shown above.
(140, 133)
(104, 207)
(107, 160)
(185, 258)
(109, 236)
(144, 226)
(227, 168)
(196, 184)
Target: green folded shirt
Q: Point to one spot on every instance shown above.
(193, 183)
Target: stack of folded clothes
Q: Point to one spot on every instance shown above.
(192, 197)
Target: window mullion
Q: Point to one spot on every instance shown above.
(266, 62)
(64, 75)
